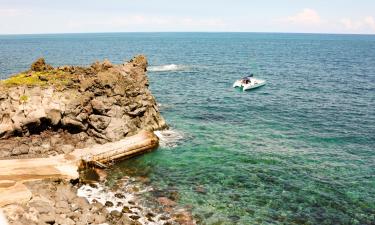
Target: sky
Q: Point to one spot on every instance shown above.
(83, 16)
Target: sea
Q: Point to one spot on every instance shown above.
(299, 150)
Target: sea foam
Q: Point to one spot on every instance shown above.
(122, 198)
(3, 220)
(165, 68)
(169, 138)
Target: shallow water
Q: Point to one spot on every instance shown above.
(300, 150)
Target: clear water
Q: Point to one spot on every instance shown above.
(300, 150)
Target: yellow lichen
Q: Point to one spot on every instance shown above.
(24, 98)
(56, 78)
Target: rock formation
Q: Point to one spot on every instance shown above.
(48, 111)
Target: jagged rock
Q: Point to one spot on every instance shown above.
(82, 203)
(73, 124)
(67, 148)
(40, 65)
(99, 122)
(54, 115)
(47, 218)
(19, 150)
(99, 219)
(103, 102)
(98, 106)
(42, 205)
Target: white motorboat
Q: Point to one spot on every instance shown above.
(248, 83)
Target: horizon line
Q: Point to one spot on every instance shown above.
(120, 32)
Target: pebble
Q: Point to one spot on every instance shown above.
(108, 203)
(126, 210)
(134, 217)
(116, 213)
(119, 195)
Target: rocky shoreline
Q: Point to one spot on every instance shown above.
(49, 111)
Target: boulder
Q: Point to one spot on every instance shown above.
(98, 106)
(99, 122)
(40, 65)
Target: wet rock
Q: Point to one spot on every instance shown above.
(144, 180)
(150, 216)
(126, 209)
(116, 213)
(93, 185)
(166, 201)
(119, 204)
(184, 218)
(97, 206)
(135, 189)
(134, 217)
(164, 217)
(200, 189)
(174, 195)
(119, 195)
(108, 204)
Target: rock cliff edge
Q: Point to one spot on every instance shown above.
(48, 111)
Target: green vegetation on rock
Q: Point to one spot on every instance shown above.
(54, 77)
(24, 98)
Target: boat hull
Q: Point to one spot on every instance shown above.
(253, 85)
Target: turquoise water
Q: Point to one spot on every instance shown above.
(300, 150)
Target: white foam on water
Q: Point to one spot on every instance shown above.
(3, 220)
(169, 138)
(164, 68)
(102, 194)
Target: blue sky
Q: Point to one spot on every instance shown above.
(76, 16)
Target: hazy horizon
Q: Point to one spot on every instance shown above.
(213, 32)
(270, 16)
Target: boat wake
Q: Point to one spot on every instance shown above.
(165, 68)
(169, 138)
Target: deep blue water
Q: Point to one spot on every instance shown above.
(300, 150)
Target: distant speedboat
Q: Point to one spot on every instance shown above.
(248, 83)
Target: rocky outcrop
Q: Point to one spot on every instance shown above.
(48, 111)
